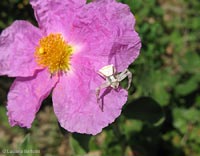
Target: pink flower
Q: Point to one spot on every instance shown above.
(74, 40)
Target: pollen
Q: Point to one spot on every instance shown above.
(54, 53)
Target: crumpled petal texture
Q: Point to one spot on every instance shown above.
(107, 30)
(17, 46)
(25, 97)
(75, 103)
(55, 15)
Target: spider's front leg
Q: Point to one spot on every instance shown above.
(123, 75)
(102, 86)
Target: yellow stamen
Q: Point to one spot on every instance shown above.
(54, 53)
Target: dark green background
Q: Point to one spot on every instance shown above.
(162, 115)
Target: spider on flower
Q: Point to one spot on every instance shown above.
(112, 78)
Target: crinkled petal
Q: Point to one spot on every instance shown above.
(17, 46)
(75, 103)
(104, 29)
(25, 97)
(55, 15)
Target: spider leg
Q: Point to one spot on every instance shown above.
(129, 74)
(123, 75)
(102, 86)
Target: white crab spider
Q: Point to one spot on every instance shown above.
(112, 78)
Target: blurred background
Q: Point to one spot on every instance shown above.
(162, 115)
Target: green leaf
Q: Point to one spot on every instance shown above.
(183, 117)
(26, 146)
(76, 147)
(145, 109)
(190, 62)
(26, 142)
(83, 140)
(187, 87)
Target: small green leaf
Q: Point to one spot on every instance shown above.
(187, 87)
(26, 142)
(76, 147)
(83, 140)
(26, 146)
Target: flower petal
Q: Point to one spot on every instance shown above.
(25, 97)
(105, 31)
(17, 46)
(55, 15)
(75, 103)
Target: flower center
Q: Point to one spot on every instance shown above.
(54, 53)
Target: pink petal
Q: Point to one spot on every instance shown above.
(104, 29)
(17, 46)
(25, 97)
(75, 103)
(55, 15)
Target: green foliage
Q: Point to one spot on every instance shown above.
(27, 148)
(161, 117)
(144, 109)
(76, 148)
